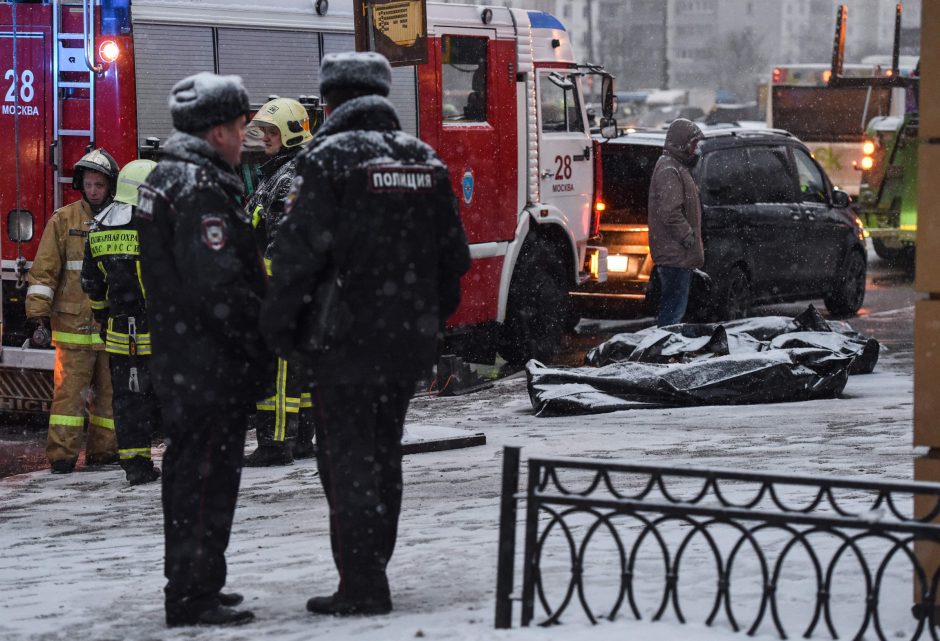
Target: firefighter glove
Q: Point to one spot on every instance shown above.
(40, 336)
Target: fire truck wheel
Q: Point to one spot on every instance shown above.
(847, 296)
(539, 305)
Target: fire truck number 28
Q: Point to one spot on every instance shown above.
(562, 167)
(26, 93)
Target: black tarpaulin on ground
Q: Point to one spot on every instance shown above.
(768, 359)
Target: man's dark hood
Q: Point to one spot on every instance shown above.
(682, 133)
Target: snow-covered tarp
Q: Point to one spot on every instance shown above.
(767, 359)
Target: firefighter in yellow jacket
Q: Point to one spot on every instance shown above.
(58, 309)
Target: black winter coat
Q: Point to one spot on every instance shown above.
(266, 205)
(204, 280)
(378, 202)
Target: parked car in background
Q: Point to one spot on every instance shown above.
(774, 227)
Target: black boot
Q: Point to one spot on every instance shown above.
(140, 470)
(230, 599)
(65, 466)
(146, 475)
(269, 455)
(341, 606)
(217, 615)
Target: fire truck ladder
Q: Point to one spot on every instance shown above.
(70, 59)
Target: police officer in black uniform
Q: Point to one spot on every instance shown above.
(111, 278)
(204, 279)
(375, 206)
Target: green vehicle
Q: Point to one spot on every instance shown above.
(887, 198)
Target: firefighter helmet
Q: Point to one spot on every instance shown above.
(97, 160)
(290, 118)
(131, 177)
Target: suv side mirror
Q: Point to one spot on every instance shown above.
(840, 198)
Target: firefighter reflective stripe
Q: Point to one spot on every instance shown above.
(306, 400)
(68, 338)
(256, 217)
(99, 304)
(41, 290)
(125, 339)
(267, 267)
(100, 421)
(140, 279)
(119, 343)
(125, 350)
(291, 404)
(131, 452)
(280, 400)
(73, 265)
(67, 421)
(281, 404)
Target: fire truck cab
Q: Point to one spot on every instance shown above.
(500, 99)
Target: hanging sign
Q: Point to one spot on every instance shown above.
(395, 28)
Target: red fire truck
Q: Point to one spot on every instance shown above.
(500, 99)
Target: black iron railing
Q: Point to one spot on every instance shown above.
(784, 525)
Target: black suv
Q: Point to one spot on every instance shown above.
(774, 228)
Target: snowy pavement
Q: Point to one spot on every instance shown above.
(81, 555)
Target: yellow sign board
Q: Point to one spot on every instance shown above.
(401, 22)
(395, 28)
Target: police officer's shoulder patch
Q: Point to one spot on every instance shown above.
(293, 193)
(400, 178)
(145, 199)
(214, 232)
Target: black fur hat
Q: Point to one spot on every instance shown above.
(355, 70)
(205, 100)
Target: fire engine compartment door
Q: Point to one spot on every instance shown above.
(468, 114)
(23, 110)
(565, 156)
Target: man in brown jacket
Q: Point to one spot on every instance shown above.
(675, 220)
(55, 302)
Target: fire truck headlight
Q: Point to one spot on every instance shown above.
(868, 148)
(109, 51)
(867, 163)
(20, 226)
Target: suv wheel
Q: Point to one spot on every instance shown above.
(847, 296)
(540, 308)
(732, 298)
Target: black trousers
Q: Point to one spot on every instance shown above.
(358, 435)
(136, 409)
(201, 472)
